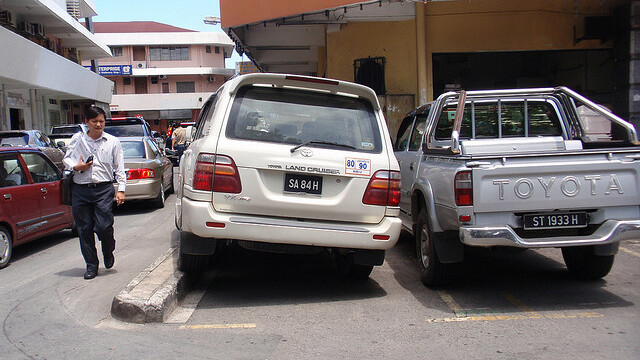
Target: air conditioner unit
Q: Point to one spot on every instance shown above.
(38, 29)
(140, 65)
(211, 79)
(162, 77)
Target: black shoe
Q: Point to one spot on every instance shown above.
(108, 261)
(90, 274)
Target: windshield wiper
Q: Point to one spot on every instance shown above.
(293, 149)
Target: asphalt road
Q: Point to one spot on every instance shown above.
(271, 306)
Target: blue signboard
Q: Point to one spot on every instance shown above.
(113, 69)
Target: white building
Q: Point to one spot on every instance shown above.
(42, 81)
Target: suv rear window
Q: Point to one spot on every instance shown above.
(125, 127)
(294, 117)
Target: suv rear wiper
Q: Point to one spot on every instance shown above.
(293, 149)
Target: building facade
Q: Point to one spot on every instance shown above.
(412, 51)
(42, 81)
(161, 72)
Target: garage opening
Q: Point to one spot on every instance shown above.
(589, 72)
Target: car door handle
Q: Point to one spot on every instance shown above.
(7, 196)
(43, 190)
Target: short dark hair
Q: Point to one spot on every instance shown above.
(93, 112)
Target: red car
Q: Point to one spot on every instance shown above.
(30, 199)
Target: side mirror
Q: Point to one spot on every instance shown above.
(60, 144)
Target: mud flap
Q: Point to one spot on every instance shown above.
(368, 257)
(448, 247)
(606, 250)
(196, 245)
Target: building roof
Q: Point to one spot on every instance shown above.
(135, 27)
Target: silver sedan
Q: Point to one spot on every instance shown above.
(149, 172)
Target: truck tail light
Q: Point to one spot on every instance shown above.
(216, 173)
(383, 189)
(134, 174)
(463, 188)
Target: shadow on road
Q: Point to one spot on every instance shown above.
(495, 281)
(248, 278)
(35, 246)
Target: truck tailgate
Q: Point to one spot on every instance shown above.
(555, 182)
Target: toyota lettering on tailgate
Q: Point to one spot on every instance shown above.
(570, 186)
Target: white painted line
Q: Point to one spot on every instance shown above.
(630, 252)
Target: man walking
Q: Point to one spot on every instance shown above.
(179, 139)
(95, 157)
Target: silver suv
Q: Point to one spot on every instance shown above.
(290, 163)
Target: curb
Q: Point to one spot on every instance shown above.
(153, 294)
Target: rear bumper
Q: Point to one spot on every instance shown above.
(195, 215)
(611, 231)
(141, 190)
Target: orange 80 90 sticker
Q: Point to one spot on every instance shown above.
(360, 167)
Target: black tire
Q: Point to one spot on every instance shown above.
(158, 202)
(347, 268)
(171, 189)
(6, 247)
(190, 263)
(583, 263)
(433, 273)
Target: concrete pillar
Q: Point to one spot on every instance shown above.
(421, 49)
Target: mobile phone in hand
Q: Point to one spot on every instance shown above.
(89, 159)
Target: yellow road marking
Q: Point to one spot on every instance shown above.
(630, 252)
(451, 303)
(518, 317)
(520, 305)
(219, 326)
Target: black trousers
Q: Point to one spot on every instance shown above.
(92, 212)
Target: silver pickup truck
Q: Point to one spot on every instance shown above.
(524, 168)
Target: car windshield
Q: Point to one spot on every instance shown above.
(133, 149)
(296, 117)
(124, 130)
(14, 140)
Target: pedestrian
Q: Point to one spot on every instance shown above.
(95, 158)
(179, 139)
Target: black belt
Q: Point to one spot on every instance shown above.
(95, 185)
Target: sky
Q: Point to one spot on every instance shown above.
(186, 14)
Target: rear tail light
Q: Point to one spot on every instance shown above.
(463, 188)
(134, 174)
(383, 189)
(216, 173)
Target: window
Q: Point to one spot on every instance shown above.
(41, 170)
(418, 131)
(132, 149)
(207, 48)
(403, 134)
(370, 72)
(498, 119)
(165, 88)
(154, 79)
(169, 53)
(204, 119)
(116, 51)
(217, 50)
(11, 173)
(293, 117)
(126, 81)
(186, 86)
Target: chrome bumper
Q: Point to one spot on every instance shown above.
(611, 231)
